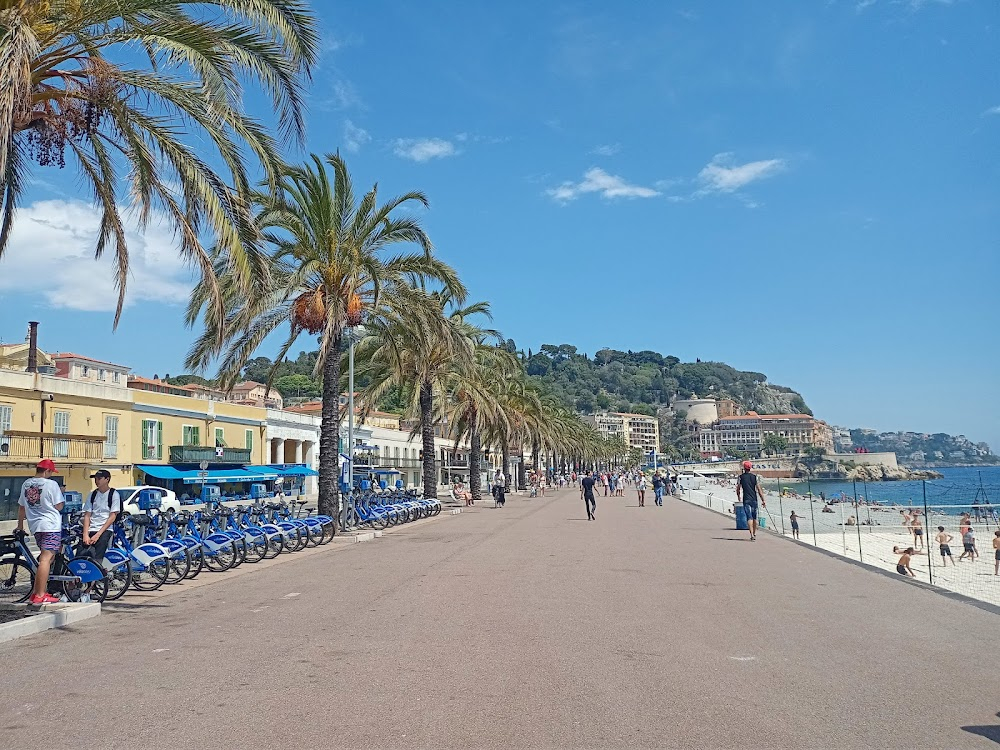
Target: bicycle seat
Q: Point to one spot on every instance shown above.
(273, 506)
(301, 502)
(225, 512)
(141, 520)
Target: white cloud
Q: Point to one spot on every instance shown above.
(596, 180)
(354, 137)
(721, 176)
(423, 149)
(607, 149)
(993, 110)
(51, 253)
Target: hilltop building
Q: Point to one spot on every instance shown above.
(636, 430)
(747, 432)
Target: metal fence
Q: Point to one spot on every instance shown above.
(861, 527)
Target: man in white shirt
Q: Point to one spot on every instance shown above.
(99, 511)
(40, 504)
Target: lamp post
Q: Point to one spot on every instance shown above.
(354, 334)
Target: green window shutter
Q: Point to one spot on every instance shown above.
(249, 440)
(220, 437)
(159, 441)
(195, 435)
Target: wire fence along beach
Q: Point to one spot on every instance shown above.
(878, 533)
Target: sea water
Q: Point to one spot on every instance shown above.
(961, 486)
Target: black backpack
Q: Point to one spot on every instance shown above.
(111, 496)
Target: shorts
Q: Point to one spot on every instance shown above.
(901, 570)
(996, 555)
(97, 550)
(945, 550)
(918, 532)
(970, 548)
(795, 527)
(48, 540)
(751, 511)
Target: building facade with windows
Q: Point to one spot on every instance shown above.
(747, 433)
(78, 367)
(636, 430)
(81, 425)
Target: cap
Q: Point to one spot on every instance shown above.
(101, 473)
(46, 465)
(747, 465)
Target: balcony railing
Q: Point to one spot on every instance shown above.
(28, 446)
(193, 454)
(375, 461)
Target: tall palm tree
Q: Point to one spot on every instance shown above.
(328, 272)
(420, 347)
(473, 395)
(154, 88)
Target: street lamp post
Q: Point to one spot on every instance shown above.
(354, 333)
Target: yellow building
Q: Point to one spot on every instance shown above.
(81, 426)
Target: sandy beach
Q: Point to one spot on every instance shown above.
(871, 539)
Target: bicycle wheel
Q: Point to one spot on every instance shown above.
(151, 577)
(119, 580)
(97, 590)
(222, 560)
(299, 541)
(197, 561)
(256, 549)
(314, 536)
(275, 545)
(328, 532)
(16, 581)
(178, 568)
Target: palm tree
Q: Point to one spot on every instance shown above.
(327, 272)
(474, 401)
(118, 84)
(420, 347)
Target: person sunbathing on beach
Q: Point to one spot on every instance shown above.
(827, 509)
(903, 566)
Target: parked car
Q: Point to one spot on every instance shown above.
(129, 496)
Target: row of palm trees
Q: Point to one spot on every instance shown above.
(144, 98)
(329, 266)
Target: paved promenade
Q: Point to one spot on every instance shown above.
(523, 627)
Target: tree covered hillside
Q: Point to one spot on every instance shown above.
(642, 382)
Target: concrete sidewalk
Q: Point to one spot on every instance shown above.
(526, 626)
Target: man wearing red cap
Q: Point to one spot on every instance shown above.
(748, 489)
(41, 504)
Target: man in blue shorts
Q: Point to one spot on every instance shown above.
(748, 489)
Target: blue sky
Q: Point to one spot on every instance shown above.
(806, 189)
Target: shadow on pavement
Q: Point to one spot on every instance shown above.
(990, 732)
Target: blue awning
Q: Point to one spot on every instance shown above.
(286, 470)
(268, 471)
(161, 472)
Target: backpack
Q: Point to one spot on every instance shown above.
(111, 495)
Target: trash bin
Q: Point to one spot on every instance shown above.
(741, 517)
(762, 521)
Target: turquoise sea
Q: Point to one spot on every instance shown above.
(959, 487)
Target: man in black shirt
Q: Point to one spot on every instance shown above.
(587, 493)
(748, 489)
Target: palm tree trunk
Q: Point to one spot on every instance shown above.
(427, 438)
(329, 436)
(475, 460)
(505, 457)
(534, 458)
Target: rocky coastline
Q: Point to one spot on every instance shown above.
(861, 473)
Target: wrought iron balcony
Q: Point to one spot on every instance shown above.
(16, 445)
(193, 454)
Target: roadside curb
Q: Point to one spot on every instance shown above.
(50, 616)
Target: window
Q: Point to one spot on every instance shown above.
(101, 374)
(110, 436)
(116, 377)
(190, 434)
(248, 438)
(152, 439)
(60, 448)
(220, 437)
(86, 371)
(6, 416)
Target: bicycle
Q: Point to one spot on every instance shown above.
(78, 576)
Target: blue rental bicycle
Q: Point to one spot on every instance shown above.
(75, 577)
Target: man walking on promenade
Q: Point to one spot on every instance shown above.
(587, 493)
(41, 504)
(658, 488)
(748, 489)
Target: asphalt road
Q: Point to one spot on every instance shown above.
(523, 627)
